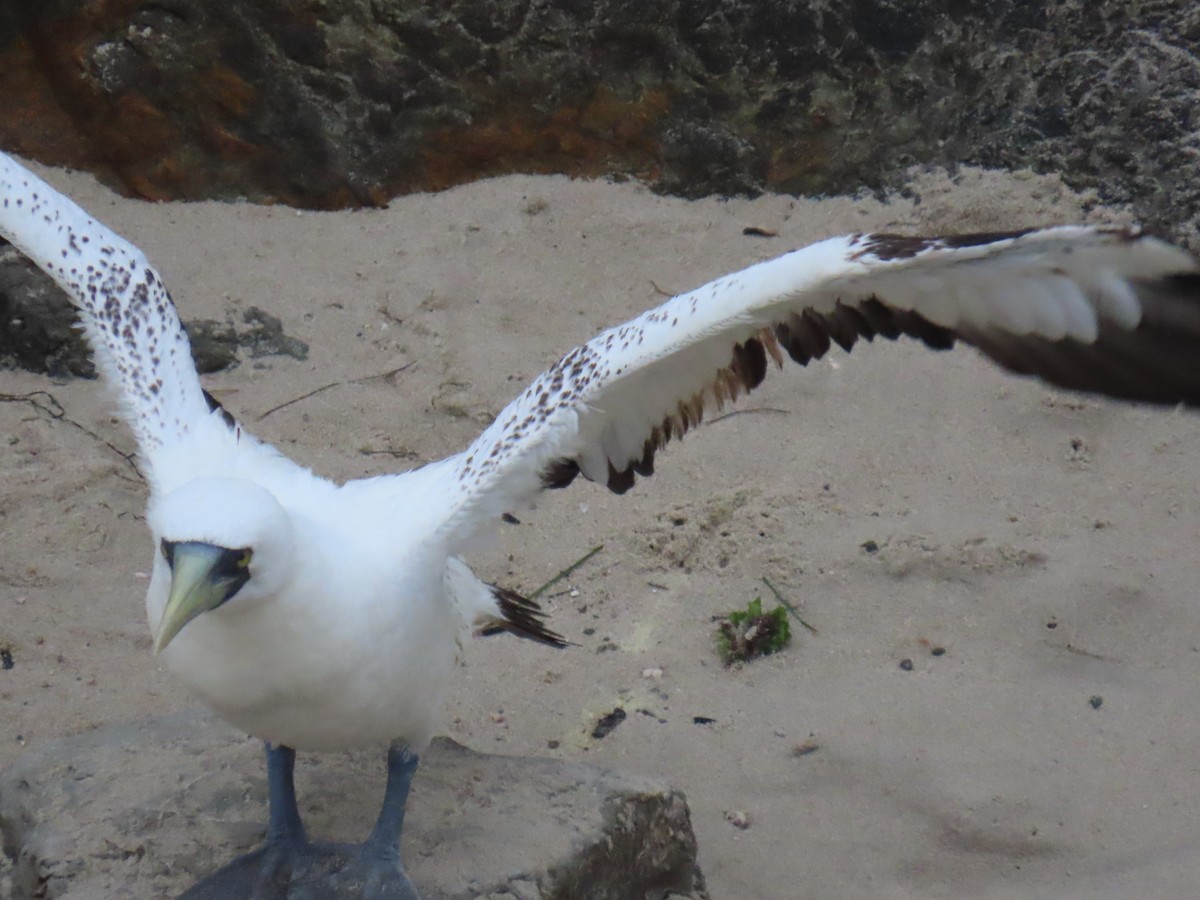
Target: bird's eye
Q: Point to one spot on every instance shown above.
(243, 561)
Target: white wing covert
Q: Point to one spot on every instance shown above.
(1106, 310)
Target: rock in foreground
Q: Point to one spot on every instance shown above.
(143, 810)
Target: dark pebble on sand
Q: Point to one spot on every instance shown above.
(607, 723)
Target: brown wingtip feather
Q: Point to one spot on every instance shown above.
(746, 370)
(1154, 363)
(804, 337)
(522, 617)
(887, 246)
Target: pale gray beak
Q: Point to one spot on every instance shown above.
(202, 578)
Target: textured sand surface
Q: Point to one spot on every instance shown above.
(1046, 541)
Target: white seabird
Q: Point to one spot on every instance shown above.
(319, 616)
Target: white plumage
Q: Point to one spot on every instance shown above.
(335, 619)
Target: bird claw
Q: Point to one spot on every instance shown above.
(310, 872)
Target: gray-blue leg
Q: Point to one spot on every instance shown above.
(402, 766)
(284, 824)
(289, 867)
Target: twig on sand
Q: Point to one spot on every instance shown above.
(565, 572)
(746, 412)
(787, 606)
(44, 401)
(363, 380)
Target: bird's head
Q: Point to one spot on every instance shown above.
(223, 540)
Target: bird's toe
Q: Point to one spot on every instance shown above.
(262, 874)
(345, 871)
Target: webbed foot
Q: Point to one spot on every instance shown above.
(336, 871)
(309, 872)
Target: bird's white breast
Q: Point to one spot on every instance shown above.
(358, 649)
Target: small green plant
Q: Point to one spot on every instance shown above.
(745, 634)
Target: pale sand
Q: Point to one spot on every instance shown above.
(999, 507)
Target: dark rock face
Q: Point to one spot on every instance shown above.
(38, 333)
(144, 809)
(350, 102)
(215, 344)
(37, 322)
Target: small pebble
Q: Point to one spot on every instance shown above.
(938, 651)
(607, 723)
(1096, 701)
(906, 665)
(652, 673)
(738, 818)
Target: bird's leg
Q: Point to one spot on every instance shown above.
(290, 867)
(265, 873)
(283, 825)
(371, 869)
(402, 765)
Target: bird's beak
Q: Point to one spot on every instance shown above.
(196, 587)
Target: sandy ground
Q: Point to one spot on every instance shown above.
(1044, 540)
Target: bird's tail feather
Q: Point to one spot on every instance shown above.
(520, 616)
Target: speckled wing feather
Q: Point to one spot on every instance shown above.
(130, 321)
(1093, 309)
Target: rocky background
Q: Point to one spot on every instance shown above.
(336, 103)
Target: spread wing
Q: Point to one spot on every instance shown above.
(1092, 309)
(135, 333)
